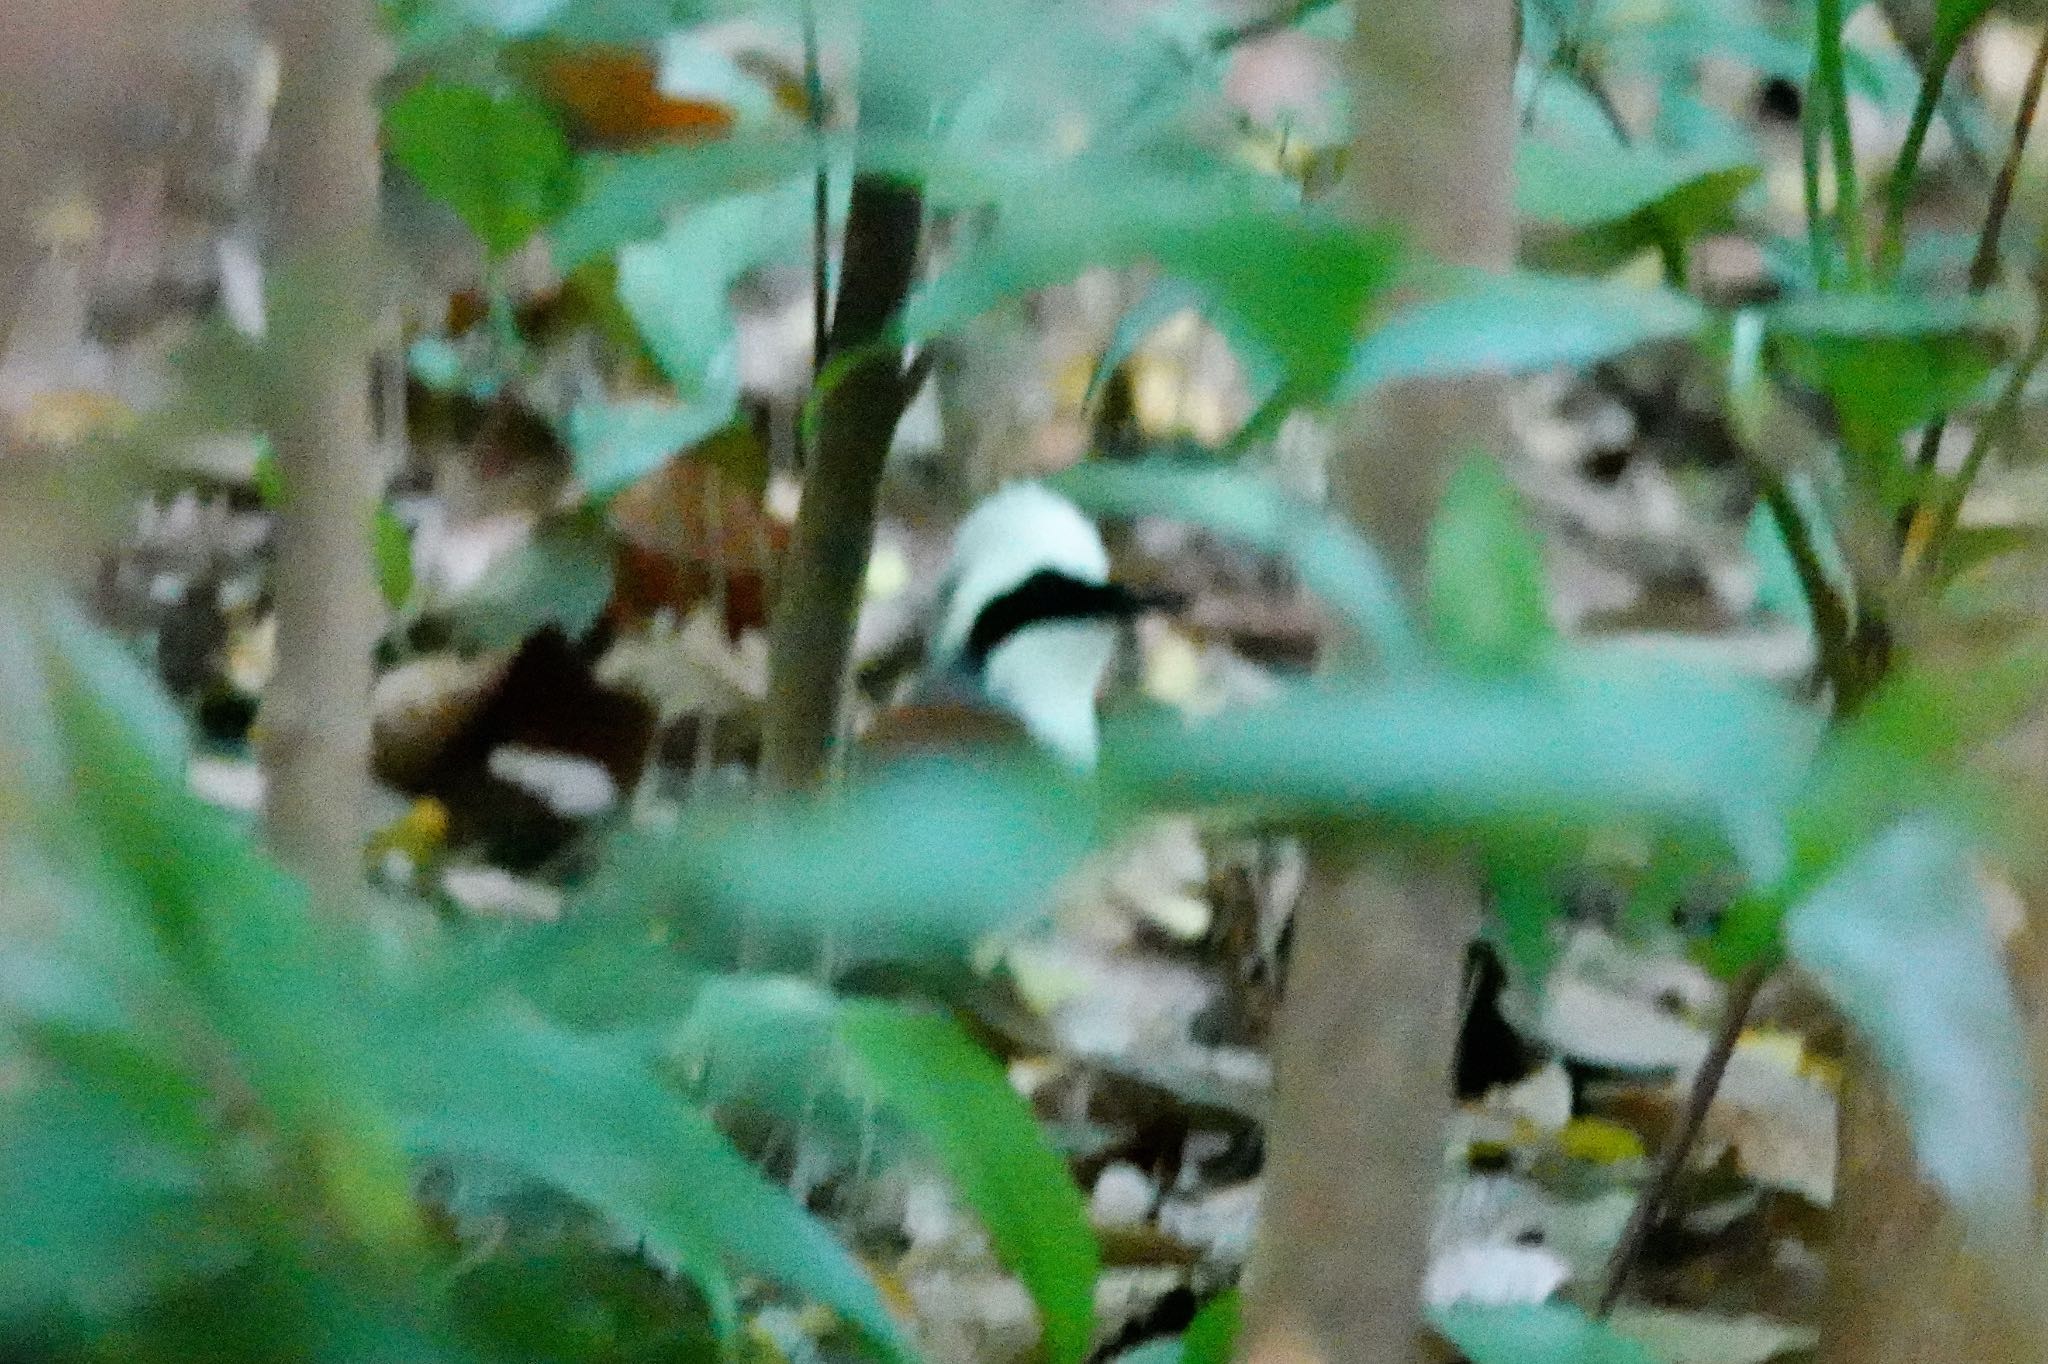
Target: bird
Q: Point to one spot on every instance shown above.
(1028, 622)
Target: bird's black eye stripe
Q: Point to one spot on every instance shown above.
(1047, 595)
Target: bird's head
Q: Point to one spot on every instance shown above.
(1028, 617)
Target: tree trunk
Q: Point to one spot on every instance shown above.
(316, 709)
(811, 641)
(1369, 1022)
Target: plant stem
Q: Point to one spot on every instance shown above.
(1368, 1020)
(1924, 548)
(1984, 264)
(1891, 247)
(811, 637)
(1834, 91)
(821, 206)
(1278, 20)
(316, 709)
(1833, 629)
(1818, 245)
(1678, 1146)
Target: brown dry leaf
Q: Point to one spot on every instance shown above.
(614, 99)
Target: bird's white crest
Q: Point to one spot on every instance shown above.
(1047, 674)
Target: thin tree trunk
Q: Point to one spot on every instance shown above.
(1369, 1022)
(316, 710)
(811, 640)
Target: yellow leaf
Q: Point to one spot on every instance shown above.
(1599, 1141)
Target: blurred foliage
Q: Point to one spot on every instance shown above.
(235, 1129)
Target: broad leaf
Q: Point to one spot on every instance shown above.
(958, 1100)
(1536, 1333)
(1615, 202)
(921, 861)
(267, 974)
(1289, 283)
(1212, 1336)
(102, 1208)
(1514, 323)
(626, 197)
(675, 289)
(1581, 744)
(1953, 20)
(1901, 939)
(594, 1121)
(1487, 594)
(499, 161)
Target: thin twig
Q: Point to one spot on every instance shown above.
(821, 206)
(1924, 549)
(1984, 264)
(1834, 89)
(1891, 244)
(1810, 117)
(1833, 629)
(1266, 25)
(1678, 1147)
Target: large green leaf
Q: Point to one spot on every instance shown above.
(1331, 559)
(1902, 941)
(1487, 593)
(103, 1208)
(1289, 283)
(1534, 1333)
(593, 1120)
(1487, 323)
(1617, 201)
(498, 160)
(626, 197)
(676, 290)
(267, 974)
(1953, 19)
(957, 1099)
(920, 861)
(1580, 743)
(1891, 362)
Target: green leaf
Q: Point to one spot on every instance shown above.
(1514, 323)
(1535, 1333)
(266, 973)
(616, 444)
(955, 1097)
(1953, 20)
(1211, 1337)
(1333, 561)
(102, 1209)
(1289, 284)
(562, 577)
(626, 197)
(1906, 315)
(1890, 361)
(921, 860)
(675, 289)
(592, 1120)
(391, 552)
(1615, 202)
(1901, 939)
(1487, 593)
(499, 160)
(1582, 743)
